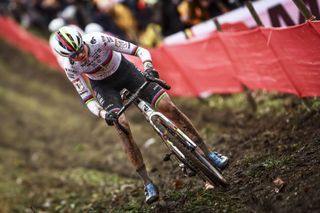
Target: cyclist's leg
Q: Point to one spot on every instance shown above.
(169, 109)
(110, 99)
(132, 150)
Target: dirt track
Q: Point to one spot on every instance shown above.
(56, 157)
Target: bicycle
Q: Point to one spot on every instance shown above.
(178, 143)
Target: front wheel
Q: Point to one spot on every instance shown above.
(193, 158)
(210, 171)
(203, 166)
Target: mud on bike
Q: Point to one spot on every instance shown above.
(189, 155)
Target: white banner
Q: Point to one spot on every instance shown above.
(273, 13)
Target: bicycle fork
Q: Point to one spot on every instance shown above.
(153, 117)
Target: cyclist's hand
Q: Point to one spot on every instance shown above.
(150, 73)
(111, 117)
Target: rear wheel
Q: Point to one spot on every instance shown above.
(194, 158)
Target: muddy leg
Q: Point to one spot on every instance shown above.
(132, 150)
(169, 109)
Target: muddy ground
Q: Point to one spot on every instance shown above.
(57, 157)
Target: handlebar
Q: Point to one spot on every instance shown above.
(134, 96)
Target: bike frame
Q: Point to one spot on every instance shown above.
(149, 113)
(153, 116)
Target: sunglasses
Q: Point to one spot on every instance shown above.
(76, 54)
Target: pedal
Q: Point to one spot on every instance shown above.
(167, 157)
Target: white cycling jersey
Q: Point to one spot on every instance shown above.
(103, 60)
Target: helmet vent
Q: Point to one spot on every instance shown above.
(64, 53)
(70, 37)
(62, 45)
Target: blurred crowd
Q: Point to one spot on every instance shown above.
(143, 22)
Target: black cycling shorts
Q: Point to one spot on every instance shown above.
(107, 91)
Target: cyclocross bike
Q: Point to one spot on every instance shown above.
(189, 155)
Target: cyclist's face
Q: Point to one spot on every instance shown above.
(82, 55)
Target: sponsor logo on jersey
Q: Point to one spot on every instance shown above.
(121, 44)
(93, 40)
(100, 99)
(94, 59)
(109, 39)
(104, 40)
(70, 70)
(79, 86)
(70, 75)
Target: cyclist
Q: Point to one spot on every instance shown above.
(99, 57)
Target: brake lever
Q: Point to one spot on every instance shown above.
(158, 81)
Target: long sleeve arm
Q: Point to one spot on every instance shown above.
(129, 48)
(81, 86)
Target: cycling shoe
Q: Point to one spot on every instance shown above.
(219, 160)
(151, 192)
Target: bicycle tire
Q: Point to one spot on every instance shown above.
(199, 161)
(173, 139)
(211, 174)
(217, 176)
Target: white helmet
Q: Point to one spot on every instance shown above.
(67, 41)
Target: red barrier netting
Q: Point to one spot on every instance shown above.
(255, 63)
(297, 50)
(26, 41)
(203, 65)
(273, 59)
